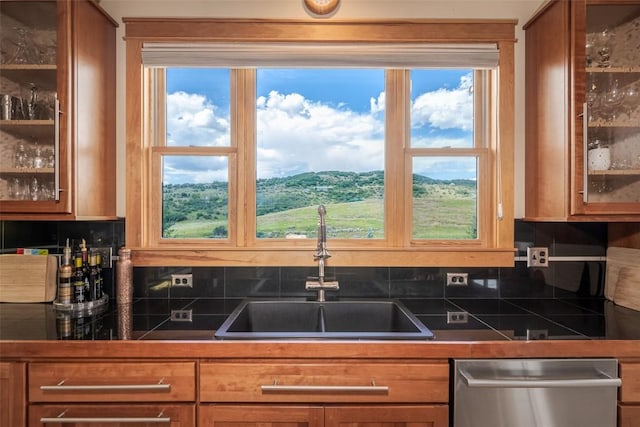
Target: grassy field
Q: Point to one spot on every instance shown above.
(442, 209)
(447, 219)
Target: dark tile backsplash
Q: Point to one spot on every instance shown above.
(52, 235)
(562, 279)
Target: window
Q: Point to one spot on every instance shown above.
(319, 141)
(239, 143)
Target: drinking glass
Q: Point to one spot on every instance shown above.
(611, 101)
(591, 97)
(38, 158)
(602, 45)
(20, 157)
(631, 99)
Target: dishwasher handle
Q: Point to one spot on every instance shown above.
(597, 381)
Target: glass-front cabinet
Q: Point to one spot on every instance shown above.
(29, 124)
(582, 111)
(611, 108)
(57, 99)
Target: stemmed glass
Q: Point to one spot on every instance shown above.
(591, 98)
(631, 99)
(602, 45)
(589, 49)
(611, 101)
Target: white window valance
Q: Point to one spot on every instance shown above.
(313, 55)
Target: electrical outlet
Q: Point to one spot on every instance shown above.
(457, 317)
(181, 315)
(106, 256)
(537, 334)
(184, 280)
(538, 257)
(457, 279)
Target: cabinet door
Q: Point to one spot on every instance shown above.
(12, 394)
(607, 95)
(630, 389)
(260, 416)
(380, 416)
(57, 127)
(34, 158)
(112, 415)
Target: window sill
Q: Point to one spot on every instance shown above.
(301, 257)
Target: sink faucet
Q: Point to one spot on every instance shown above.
(319, 283)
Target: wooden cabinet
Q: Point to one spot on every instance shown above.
(57, 128)
(330, 416)
(582, 114)
(353, 393)
(629, 397)
(12, 394)
(112, 393)
(261, 415)
(399, 416)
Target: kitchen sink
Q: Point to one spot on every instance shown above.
(342, 319)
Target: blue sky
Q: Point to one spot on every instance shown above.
(317, 119)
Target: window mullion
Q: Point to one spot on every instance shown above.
(397, 128)
(243, 136)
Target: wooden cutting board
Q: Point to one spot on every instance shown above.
(622, 282)
(28, 278)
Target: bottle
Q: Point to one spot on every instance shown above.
(93, 278)
(124, 277)
(85, 269)
(64, 276)
(99, 279)
(78, 281)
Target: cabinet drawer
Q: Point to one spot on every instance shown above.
(630, 389)
(112, 382)
(324, 382)
(112, 415)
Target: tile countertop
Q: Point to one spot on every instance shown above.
(487, 320)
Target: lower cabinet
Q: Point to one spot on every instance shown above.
(12, 394)
(225, 393)
(260, 415)
(629, 397)
(105, 415)
(324, 416)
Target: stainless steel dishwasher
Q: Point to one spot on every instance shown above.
(535, 393)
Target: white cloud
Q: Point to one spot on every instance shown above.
(445, 108)
(194, 169)
(296, 134)
(193, 120)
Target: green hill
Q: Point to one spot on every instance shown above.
(354, 207)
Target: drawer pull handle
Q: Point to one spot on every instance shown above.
(61, 419)
(369, 389)
(106, 387)
(166, 420)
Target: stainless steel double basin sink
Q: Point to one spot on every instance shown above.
(342, 319)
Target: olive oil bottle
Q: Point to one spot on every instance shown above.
(65, 273)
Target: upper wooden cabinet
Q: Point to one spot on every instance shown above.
(582, 114)
(57, 128)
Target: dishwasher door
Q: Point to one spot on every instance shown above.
(535, 393)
